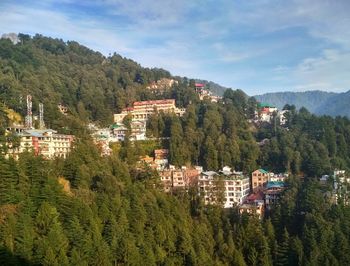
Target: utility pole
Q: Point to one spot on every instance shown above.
(41, 116)
(29, 117)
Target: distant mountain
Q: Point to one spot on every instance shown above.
(317, 102)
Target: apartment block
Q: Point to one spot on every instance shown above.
(142, 110)
(46, 142)
(259, 178)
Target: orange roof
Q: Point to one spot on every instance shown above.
(128, 109)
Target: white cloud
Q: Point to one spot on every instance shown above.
(330, 71)
(31, 20)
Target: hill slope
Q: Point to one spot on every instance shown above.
(92, 86)
(318, 102)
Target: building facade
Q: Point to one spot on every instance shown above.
(142, 110)
(259, 178)
(44, 142)
(230, 187)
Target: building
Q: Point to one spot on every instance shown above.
(44, 142)
(283, 117)
(119, 131)
(278, 177)
(256, 209)
(259, 178)
(273, 192)
(266, 112)
(234, 186)
(166, 180)
(237, 187)
(207, 185)
(159, 86)
(204, 93)
(174, 179)
(161, 158)
(63, 109)
(138, 130)
(142, 110)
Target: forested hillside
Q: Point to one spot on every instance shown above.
(93, 210)
(91, 85)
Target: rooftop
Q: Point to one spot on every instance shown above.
(262, 171)
(261, 105)
(166, 101)
(275, 184)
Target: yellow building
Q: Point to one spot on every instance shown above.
(142, 110)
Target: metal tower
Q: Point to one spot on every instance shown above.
(29, 117)
(41, 116)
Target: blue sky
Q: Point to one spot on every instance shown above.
(257, 46)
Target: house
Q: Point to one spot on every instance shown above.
(63, 109)
(160, 86)
(259, 178)
(324, 179)
(273, 192)
(256, 209)
(281, 177)
(178, 178)
(266, 112)
(161, 158)
(205, 93)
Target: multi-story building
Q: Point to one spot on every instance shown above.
(138, 130)
(281, 177)
(233, 187)
(142, 110)
(273, 192)
(161, 158)
(266, 112)
(44, 142)
(174, 179)
(259, 178)
(119, 131)
(254, 204)
(237, 187)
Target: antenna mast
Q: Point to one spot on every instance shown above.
(41, 116)
(29, 117)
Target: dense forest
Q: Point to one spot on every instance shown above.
(93, 210)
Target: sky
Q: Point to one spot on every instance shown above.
(258, 46)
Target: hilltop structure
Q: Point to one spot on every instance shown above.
(160, 86)
(204, 93)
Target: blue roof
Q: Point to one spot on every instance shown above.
(275, 184)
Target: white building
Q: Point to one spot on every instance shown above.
(235, 186)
